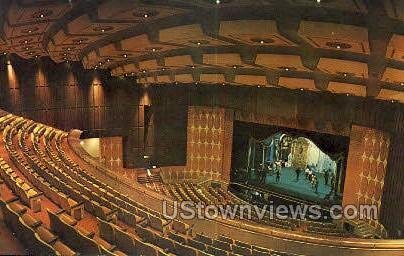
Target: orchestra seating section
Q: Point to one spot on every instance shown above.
(55, 207)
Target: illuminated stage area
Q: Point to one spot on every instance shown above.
(303, 165)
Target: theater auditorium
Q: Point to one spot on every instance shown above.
(202, 127)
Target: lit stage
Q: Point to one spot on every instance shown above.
(289, 185)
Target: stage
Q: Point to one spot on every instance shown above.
(290, 186)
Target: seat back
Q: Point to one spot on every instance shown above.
(107, 232)
(125, 242)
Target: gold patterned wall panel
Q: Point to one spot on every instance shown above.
(366, 168)
(209, 138)
(111, 152)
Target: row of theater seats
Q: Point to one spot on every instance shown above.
(324, 228)
(209, 195)
(130, 228)
(205, 194)
(30, 231)
(27, 193)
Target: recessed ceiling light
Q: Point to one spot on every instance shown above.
(125, 55)
(262, 42)
(198, 43)
(301, 89)
(146, 15)
(108, 60)
(287, 69)
(345, 74)
(338, 46)
(154, 49)
(217, 1)
(144, 71)
(41, 16)
(30, 31)
(318, 1)
(25, 41)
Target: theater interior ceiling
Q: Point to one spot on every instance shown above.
(351, 47)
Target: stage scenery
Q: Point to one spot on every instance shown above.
(293, 164)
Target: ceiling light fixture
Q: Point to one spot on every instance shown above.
(217, 1)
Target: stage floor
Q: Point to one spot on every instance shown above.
(289, 185)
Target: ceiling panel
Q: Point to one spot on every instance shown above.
(188, 35)
(346, 88)
(393, 75)
(265, 32)
(281, 62)
(343, 68)
(335, 36)
(297, 83)
(251, 80)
